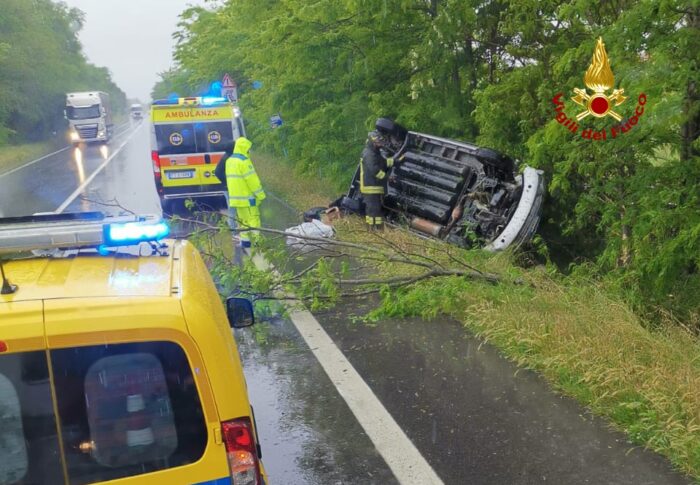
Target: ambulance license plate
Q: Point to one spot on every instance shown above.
(180, 174)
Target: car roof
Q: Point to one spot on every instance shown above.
(90, 275)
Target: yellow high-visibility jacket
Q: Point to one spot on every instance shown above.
(244, 187)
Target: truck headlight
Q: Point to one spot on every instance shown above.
(101, 134)
(74, 136)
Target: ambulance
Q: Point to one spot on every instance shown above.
(188, 138)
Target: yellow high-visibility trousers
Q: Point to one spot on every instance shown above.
(245, 218)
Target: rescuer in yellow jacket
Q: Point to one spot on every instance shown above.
(245, 193)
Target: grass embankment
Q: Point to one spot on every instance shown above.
(302, 192)
(582, 338)
(13, 156)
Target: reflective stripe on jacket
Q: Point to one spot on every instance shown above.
(244, 187)
(373, 170)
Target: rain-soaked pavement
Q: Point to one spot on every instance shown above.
(474, 416)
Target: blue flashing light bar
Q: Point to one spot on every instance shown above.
(127, 233)
(73, 231)
(206, 101)
(209, 100)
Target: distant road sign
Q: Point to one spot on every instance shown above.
(229, 89)
(227, 82)
(275, 121)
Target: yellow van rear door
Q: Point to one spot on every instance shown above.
(22, 326)
(136, 405)
(30, 451)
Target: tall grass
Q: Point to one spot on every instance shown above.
(303, 191)
(13, 156)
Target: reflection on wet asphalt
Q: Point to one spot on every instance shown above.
(44, 186)
(308, 434)
(474, 416)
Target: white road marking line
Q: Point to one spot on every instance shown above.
(47, 156)
(402, 456)
(94, 174)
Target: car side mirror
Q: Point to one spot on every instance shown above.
(239, 312)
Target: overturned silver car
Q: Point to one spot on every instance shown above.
(467, 195)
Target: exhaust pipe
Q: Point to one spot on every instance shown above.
(425, 226)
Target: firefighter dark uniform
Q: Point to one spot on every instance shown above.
(373, 180)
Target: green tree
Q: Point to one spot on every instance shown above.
(487, 71)
(40, 60)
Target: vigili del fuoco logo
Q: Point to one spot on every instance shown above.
(599, 79)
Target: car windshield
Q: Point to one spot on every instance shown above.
(83, 112)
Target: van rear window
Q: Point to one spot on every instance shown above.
(29, 450)
(213, 136)
(175, 139)
(127, 409)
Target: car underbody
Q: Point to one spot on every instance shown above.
(459, 192)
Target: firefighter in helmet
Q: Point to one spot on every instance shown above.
(374, 170)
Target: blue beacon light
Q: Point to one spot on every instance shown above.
(124, 234)
(209, 100)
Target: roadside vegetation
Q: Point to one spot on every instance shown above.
(625, 210)
(606, 304)
(14, 156)
(41, 59)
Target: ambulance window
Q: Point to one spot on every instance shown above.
(176, 139)
(214, 136)
(29, 450)
(127, 409)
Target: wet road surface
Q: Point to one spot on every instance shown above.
(474, 416)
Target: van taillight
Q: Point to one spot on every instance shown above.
(156, 162)
(241, 451)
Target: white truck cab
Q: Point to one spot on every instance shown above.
(90, 117)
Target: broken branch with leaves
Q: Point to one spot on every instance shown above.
(319, 269)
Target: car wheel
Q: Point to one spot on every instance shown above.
(496, 160)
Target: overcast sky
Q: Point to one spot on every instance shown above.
(133, 38)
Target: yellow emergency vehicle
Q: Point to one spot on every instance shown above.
(188, 138)
(117, 360)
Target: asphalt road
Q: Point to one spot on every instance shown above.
(474, 417)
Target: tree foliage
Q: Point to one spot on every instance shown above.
(40, 60)
(487, 72)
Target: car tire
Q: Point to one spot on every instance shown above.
(496, 160)
(385, 124)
